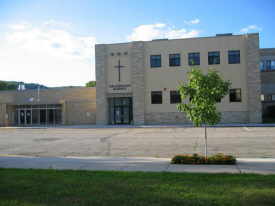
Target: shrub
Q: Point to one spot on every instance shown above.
(218, 159)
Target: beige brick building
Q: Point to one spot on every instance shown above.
(267, 66)
(137, 81)
(68, 106)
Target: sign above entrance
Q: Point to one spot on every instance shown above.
(120, 86)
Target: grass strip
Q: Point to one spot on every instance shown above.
(80, 187)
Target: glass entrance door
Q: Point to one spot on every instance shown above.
(22, 117)
(120, 110)
(118, 115)
(28, 116)
(126, 115)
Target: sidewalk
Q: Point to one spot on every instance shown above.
(253, 165)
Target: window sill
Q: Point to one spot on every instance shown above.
(268, 70)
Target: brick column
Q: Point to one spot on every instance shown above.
(254, 78)
(101, 78)
(138, 83)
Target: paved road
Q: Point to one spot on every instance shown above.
(246, 142)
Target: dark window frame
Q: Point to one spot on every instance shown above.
(270, 97)
(155, 60)
(175, 97)
(156, 97)
(261, 65)
(196, 59)
(269, 65)
(174, 60)
(234, 57)
(213, 56)
(233, 95)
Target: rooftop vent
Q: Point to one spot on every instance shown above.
(159, 39)
(228, 34)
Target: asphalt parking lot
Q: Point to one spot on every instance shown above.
(242, 142)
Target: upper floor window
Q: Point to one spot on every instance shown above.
(234, 57)
(155, 60)
(174, 60)
(262, 65)
(156, 97)
(175, 97)
(235, 95)
(213, 58)
(270, 97)
(262, 97)
(194, 59)
(270, 64)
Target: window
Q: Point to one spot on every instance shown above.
(156, 97)
(270, 97)
(233, 57)
(235, 95)
(262, 65)
(262, 97)
(213, 58)
(175, 97)
(218, 100)
(155, 60)
(194, 59)
(174, 60)
(270, 64)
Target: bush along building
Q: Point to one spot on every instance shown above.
(137, 81)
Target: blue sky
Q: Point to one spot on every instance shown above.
(52, 42)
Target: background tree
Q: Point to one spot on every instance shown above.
(204, 91)
(91, 84)
(7, 86)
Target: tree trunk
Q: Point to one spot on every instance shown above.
(205, 140)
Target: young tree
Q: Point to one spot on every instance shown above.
(204, 91)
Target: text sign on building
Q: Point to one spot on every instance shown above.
(120, 86)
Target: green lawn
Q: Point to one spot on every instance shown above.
(68, 187)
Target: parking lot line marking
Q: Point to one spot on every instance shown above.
(246, 128)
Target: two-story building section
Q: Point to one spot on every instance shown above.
(267, 66)
(137, 81)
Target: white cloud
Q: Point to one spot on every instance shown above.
(17, 26)
(158, 31)
(22, 26)
(250, 28)
(53, 22)
(49, 57)
(25, 22)
(196, 21)
(57, 43)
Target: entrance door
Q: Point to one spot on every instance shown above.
(22, 117)
(28, 117)
(126, 115)
(120, 110)
(118, 115)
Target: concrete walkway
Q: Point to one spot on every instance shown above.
(244, 165)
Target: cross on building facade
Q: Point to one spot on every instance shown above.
(119, 66)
